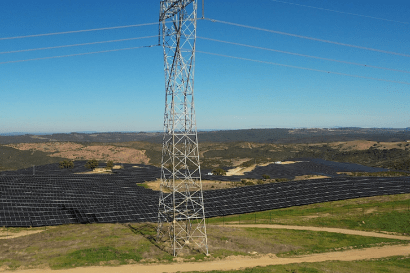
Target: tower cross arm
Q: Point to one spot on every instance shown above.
(171, 7)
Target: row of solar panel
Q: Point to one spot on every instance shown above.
(217, 203)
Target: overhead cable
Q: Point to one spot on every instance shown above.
(78, 54)
(342, 12)
(77, 31)
(304, 68)
(303, 55)
(308, 38)
(63, 46)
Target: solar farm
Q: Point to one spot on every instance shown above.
(53, 197)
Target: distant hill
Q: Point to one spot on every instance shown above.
(278, 136)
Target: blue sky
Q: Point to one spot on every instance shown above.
(124, 90)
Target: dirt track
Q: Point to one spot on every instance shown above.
(233, 263)
(335, 230)
(9, 235)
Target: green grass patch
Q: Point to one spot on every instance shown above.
(395, 221)
(95, 256)
(308, 242)
(11, 263)
(69, 246)
(383, 213)
(143, 185)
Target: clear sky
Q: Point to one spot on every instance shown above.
(124, 90)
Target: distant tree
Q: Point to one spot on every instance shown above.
(66, 164)
(110, 165)
(266, 176)
(245, 182)
(219, 171)
(91, 164)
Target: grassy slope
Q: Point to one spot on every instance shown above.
(381, 213)
(224, 154)
(13, 159)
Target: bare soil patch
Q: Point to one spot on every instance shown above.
(4, 235)
(309, 177)
(364, 145)
(206, 185)
(240, 170)
(75, 151)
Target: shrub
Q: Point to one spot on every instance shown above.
(91, 164)
(282, 180)
(247, 183)
(66, 164)
(219, 171)
(110, 165)
(248, 163)
(266, 176)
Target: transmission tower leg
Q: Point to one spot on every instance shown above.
(181, 213)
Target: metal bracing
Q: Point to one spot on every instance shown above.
(181, 216)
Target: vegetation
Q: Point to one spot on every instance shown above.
(248, 163)
(225, 154)
(396, 159)
(66, 164)
(13, 159)
(245, 182)
(91, 164)
(219, 171)
(266, 176)
(110, 165)
(380, 174)
(379, 213)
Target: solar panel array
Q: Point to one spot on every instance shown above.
(138, 172)
(54, 200)
(297, 193)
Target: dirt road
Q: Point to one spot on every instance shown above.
(238, 262)
(335, 230)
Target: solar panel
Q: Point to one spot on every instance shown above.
(27, 200)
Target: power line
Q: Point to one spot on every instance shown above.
(308, 38)
(367, 16)
(77, 31)
(303, 55)
(304, 68)
(63, 46)
(78, 54)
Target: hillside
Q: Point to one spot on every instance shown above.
(390, 155)
(278, 136)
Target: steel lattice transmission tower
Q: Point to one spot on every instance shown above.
(181, 215)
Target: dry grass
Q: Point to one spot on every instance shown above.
(77, 151)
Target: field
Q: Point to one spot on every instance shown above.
(235, 238)
(370, 234)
